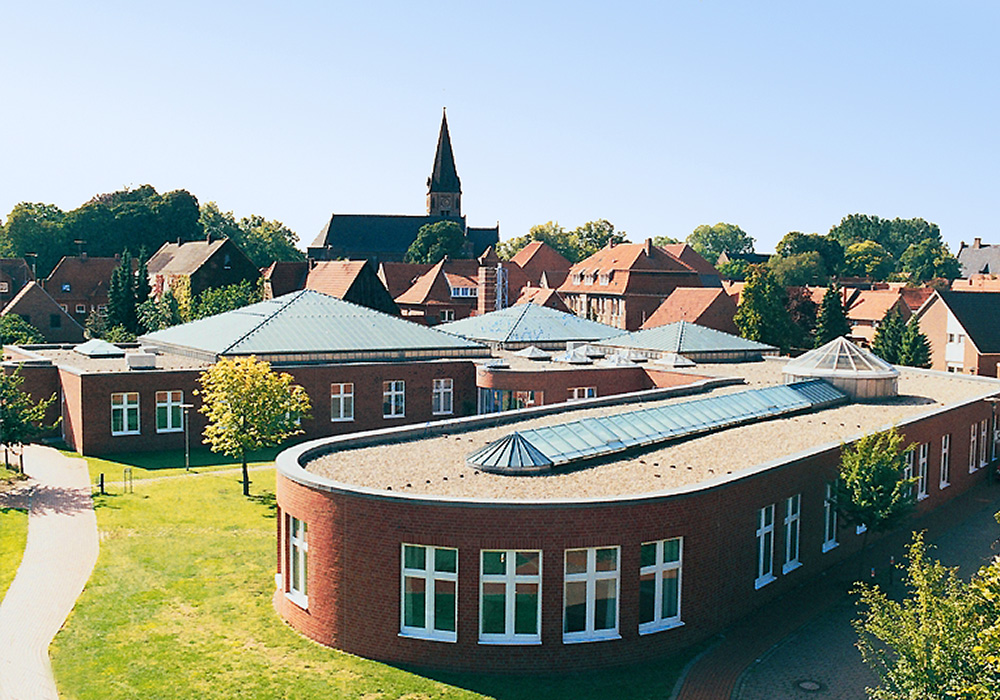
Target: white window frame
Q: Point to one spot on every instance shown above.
(830, 517)
(973, 465)
(945, 475)
(765, 547)
(81, 308)
(591, 576)
(4, 287)
(125, 405)
(579, 393)
(983, 445)
(510, 579)
(430, 576)
(297, 561)
(447, 315)
(342, 402)
(657, 571)
(169, 400)
(443, 397)
(394, 398)
(793, 531)
(924, 450)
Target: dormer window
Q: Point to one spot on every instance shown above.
(605, 278)
(66, 287)
(227, 262)
(465, 291)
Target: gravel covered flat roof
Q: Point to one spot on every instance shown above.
(435, 466)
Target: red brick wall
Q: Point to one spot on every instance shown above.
(355, 540)
(89, 398)
(556, 384)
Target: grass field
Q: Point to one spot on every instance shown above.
(149, 465)
(13, 535)
(179, 606)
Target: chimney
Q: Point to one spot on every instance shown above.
(208, 236)
(179, 241)
(487, 300)
(977, 242)
(647, 247)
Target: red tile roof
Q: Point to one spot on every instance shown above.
(711, 307)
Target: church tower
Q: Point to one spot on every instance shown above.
(444, 189)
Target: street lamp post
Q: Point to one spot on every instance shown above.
(187, 436)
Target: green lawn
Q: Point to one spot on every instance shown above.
(13, 535)
(179, 606)
(148, 465)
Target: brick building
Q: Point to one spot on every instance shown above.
(79, 284)
(210, 263)
(962, 330)
(622, 545)
(14, 274)
(35, 306)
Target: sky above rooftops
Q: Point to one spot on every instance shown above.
(774, 116)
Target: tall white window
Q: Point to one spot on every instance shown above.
(298, 561)
(830, 516)
(983, 444)
(125, 413)
(590, 610)
(342, 402)
(993, 439)
(660, 585)
(793, 508)
(945, 460)
(765, 546)
(972, 449)
(394, 399)
(430, 585)
(510, 597)
(169, 411)
(922, 471)
(441, 397)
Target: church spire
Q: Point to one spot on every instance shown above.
(444, 189)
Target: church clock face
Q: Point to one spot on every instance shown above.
(445, 202)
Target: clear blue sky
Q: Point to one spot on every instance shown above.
(658, 116)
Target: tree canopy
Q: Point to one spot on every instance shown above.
(895, 235)
(14, 330)
(888, 340)
(868, 259)
(435, 241)
(249, 406)
(762, 314)
(914, 348)
(872, 489)
(829, 249)
(799, 270)
(575, 245)
(711, 241)
(928, 260)
(263, 241)
(832, 319)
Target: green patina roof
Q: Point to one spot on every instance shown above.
(529, 323)
(307, 322)
(683, 337)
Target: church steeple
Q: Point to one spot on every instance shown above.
(444, 189)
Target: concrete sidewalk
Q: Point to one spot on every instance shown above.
(58, 559)
(806, 636)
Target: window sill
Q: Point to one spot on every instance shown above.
(342, 420)
(763, 581)
(430, 637)
(653, 628)
(442, 413)
(827, 546)
(510, 642)
(169, 430)
(921, 497)
(392, 417)
(583, 640)
(299, 599)
(944, 484)
(134, 432)
(790, 567)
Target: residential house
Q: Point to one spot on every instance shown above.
(35, 306)
(542, 265)
(542, 296)
(204, 264)
(978, 259)
(351, 280)
(284, 277)
(79, 284)
(14, 274)
(622, 285)
(963, 331)
(711, 307)
(867, 307)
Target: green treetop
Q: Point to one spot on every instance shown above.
(436, 241)
(762, 314)
(711, 241)
(914, 348)
(832, 320)
(888, 340)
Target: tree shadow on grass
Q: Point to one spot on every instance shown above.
(268, 500)
(174, 459)
(106, 500)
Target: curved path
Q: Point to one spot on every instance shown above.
(58, 559)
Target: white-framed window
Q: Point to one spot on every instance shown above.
(510, 596)
(298, 561)
(582, 392)
(442, 397)
(4, 287)
(341, 402)
(830, 516)
(429, 589)
(169, 414)
(81, 308)
(447, 315)
(765, 546)
(590, 594)
(922, 470)
(945, 461)
(983, 443)
(993, 439)
(125, 413)
(793, 520)
(394, 399)
(973, 466)
(465, 291)
(64, 307)
(660, 585)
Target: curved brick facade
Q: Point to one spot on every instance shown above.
(355, 538)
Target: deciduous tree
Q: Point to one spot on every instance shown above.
(14, 330)
(711, 241)
(21, 418)
(248, 407)
(868, 259)
(928, 260)
(799, 270)
(435, 241)
(872, 489)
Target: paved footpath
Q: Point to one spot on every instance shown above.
(806, 635)
(58, 559)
